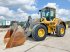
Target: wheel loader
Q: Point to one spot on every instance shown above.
(38, 28)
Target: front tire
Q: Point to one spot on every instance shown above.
(39, 32)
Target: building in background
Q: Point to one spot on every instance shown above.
(5, 23)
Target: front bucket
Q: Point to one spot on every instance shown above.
(14, 38)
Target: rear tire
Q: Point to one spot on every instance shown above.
(60, 33)
(35, 35)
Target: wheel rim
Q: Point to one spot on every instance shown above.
(41, 32)
(62, 30)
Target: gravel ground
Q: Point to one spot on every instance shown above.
(50, 44)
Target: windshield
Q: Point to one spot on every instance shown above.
(49, 14)
(45, 13)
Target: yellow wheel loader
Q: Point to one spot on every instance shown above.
(38, 29)
(48, 24)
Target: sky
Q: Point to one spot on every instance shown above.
(19, 10)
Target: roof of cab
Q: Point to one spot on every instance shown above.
(48, 8)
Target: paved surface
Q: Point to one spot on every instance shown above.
(50, 44)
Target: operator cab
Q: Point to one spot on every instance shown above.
(48, 13)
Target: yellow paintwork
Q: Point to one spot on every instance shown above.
(62, 31)
(41, 32)
(49, 29)
(50, 24)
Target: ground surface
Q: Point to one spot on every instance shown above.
(50, 44)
